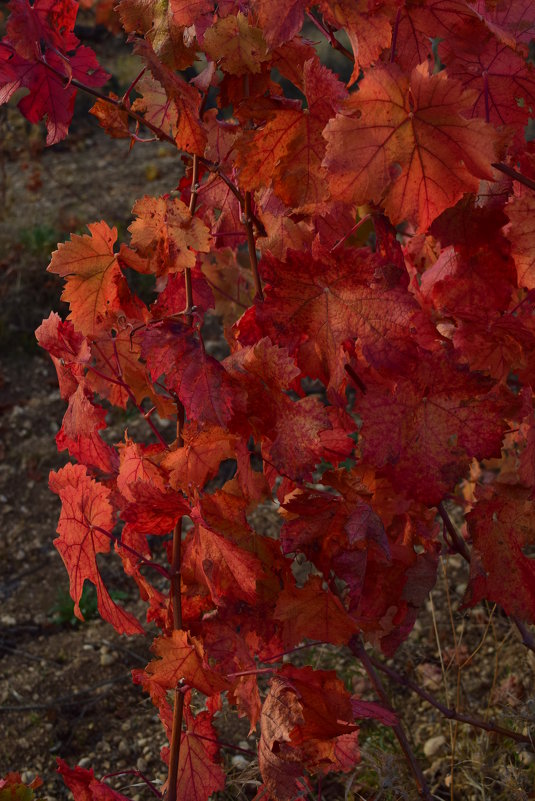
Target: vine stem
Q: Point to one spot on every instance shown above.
(448, 712)
(395, 36)
(514, 174)
(351, 232)
(136, 773)
(158, 132)
(329, 35)
(248, 222)
(358, 649)
(176, 603)
(456, 540)
(161, 570)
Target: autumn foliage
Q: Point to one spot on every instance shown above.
(370, 249)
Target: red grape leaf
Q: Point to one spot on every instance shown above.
(369, 709)
(87, 512)
(402, 142)
(83, 785)
(314, 613)
(95, 285)
(186, 12)
(265, 371)
(50, 95)
(503, 81)
(227, 570)
(208, 392)
(425, 432)
(139, 464)
(513, 21)
(419, 23)
(68, 349)
(154, 511)
(79, 432)
(236, 46)
(331, 299)
(502, 526)
(172, 300)
(199, 775)
(46, 22)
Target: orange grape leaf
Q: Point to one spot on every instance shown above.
(182, 659)
(95, 285)
(306, 724)
(156, 22)
(403, 143)
(367, 26)
(521, 212)
(190, 134)
(112, 119)
(205, 447)
(186, 12)
(280, 23)
(236, 46)
(84, 527)
(118, 356)
(314, 613)
(155, 105)
(166, 232)
(288, 150)
(138, 463)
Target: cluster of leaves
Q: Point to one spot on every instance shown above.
(378, 351)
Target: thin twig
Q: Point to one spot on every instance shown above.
(514, 174)
(447, 712)
(328, 32)
(248, 223)
(457, 541)
(139, 775)
(358, 649)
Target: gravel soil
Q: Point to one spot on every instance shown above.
(65, 687)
